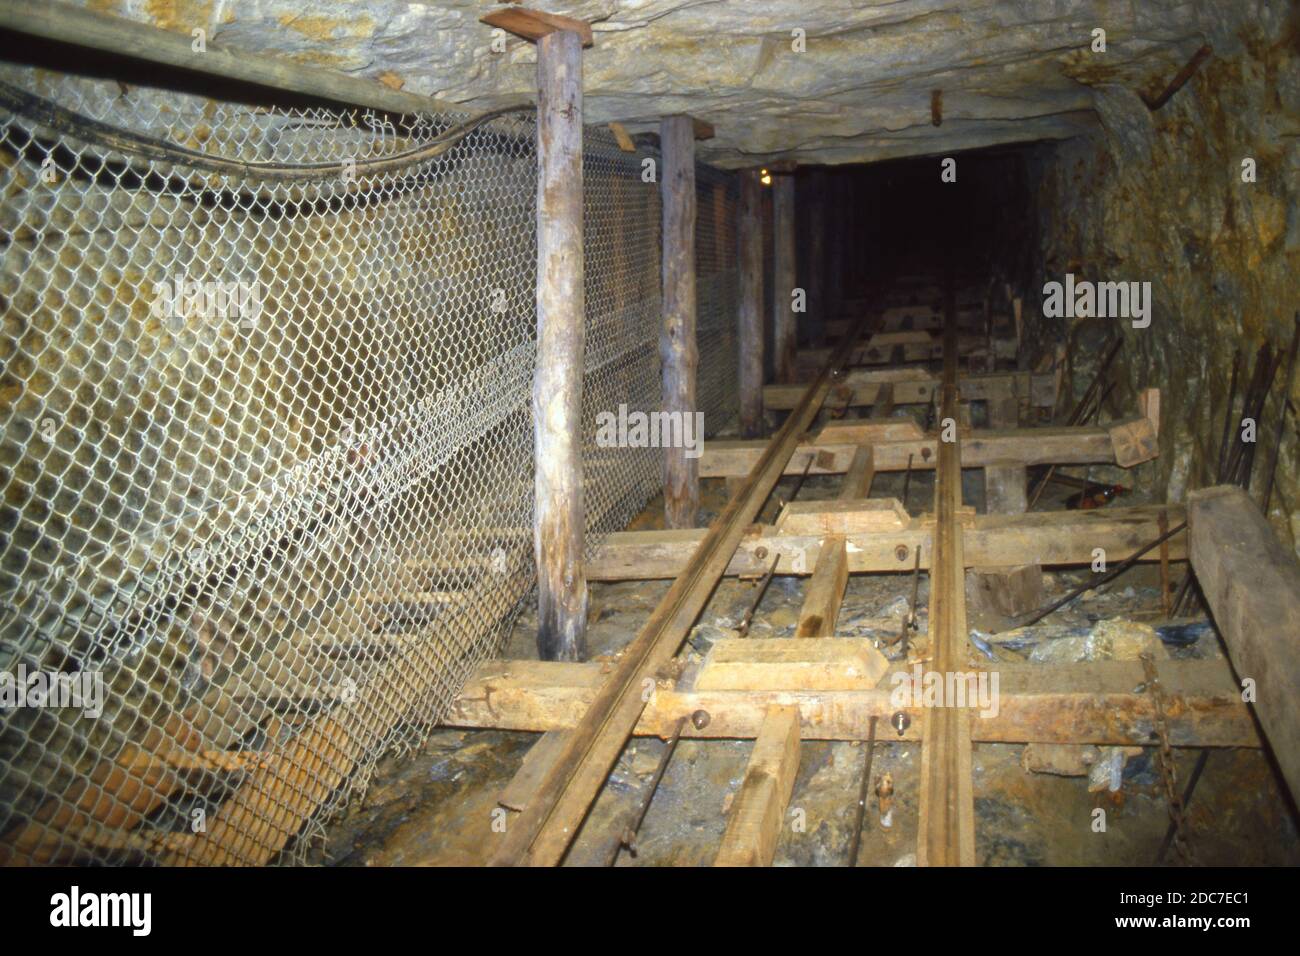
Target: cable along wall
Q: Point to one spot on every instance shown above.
(267, 454)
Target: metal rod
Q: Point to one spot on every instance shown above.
(1171, 832)
(798, 484)
(909, 619)
(748, 619)
(863, 790)
(1036, 616)
(628, 839)
(1181, 78)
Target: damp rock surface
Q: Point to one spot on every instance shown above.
(836, 81)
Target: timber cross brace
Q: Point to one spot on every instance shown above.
(307, 376)
(778, 692)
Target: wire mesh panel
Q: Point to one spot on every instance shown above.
(717, 292)
(622, 247)
(267, 452)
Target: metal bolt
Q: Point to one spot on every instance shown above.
(900, 722)
(760, 552)
(700, 719)
(900, 552)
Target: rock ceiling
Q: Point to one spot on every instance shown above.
(858, 90)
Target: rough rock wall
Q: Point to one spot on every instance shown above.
(1159, 197)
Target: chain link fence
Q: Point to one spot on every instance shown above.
(267, 451)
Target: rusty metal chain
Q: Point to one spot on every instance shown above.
(1168, 775)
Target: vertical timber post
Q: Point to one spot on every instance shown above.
(557, 383)
(837, 216)
(749, 243)
(678, 350)
(815, 281)
(783, 277)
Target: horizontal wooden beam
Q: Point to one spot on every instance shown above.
(1088, 703)
(1029, 446)
(1252, 584)
(862, 387)
(1049, 538)
(532, 25)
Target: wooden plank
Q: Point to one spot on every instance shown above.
(825, 591)
(542, 833)
(845, 516)
(862, 471)
(946, 831)
(1017, 589)
(534, 24)
(754, 824)
(883, 407)
(622, 138)
(755, 663)
(1005, 488)
(539, 758)
(916, 386)
(677, 342)
(866, 432)
(1051, 538)
(1096, 703)
(1252, 583)
(557, 387)
(1030, 446)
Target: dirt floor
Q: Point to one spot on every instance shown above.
(438, 807)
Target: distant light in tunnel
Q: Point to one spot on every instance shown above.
(765, 177)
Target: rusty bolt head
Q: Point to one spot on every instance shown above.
(900, 722)
(925, 453)
(700, 719)
(900, 552)
(760, 552)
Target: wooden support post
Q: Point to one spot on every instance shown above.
(543, 832)
(754, 824)
(815, 280)
(1004, 411)
(1018, 589)
(783, 278)
(837, 213)
(557, 383)
(1252, 584)
(678, 350)
(749, 241)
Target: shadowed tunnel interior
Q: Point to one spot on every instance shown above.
(596, 433)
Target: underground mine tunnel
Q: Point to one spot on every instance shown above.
(618, 434)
